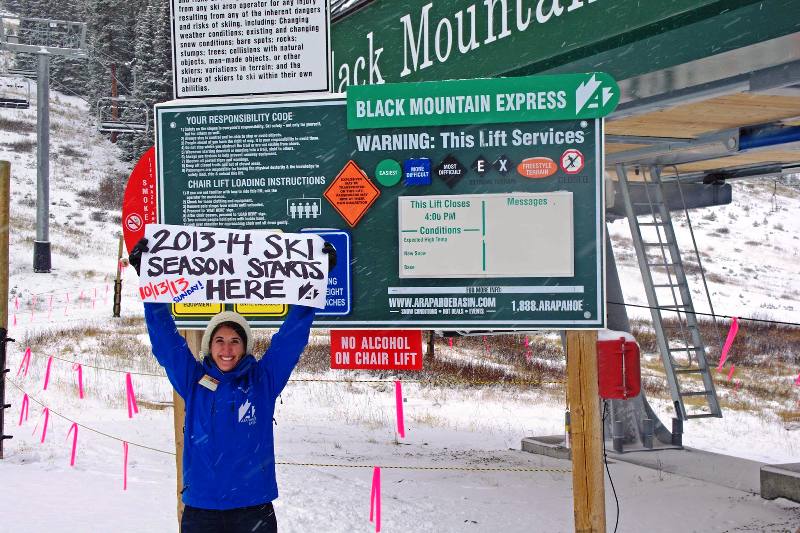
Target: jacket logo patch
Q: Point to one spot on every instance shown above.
(247, 413)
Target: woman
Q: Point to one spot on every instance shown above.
(228, 449)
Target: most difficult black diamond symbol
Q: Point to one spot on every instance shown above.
(450, 170)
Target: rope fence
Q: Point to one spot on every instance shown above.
(314, 465)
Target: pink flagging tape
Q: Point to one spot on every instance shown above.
(47, 372)
(23, 410)
(46, 414)
(74, 430)
(16, 303)
(130, 396)
(79, 369)
(731, 371)
(450, 342)
(728, 342)
(25, 363)
(398, 394)
(375, 499)
(527, 342)
(124, 465)
(797, 381)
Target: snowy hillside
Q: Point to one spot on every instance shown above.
(749, 250)
(470, 433)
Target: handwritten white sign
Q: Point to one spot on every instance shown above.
(193, 264)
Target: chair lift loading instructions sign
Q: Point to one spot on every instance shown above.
(475, 222)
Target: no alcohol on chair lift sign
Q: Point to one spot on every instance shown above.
(467, 204)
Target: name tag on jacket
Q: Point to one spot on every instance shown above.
(209, 382)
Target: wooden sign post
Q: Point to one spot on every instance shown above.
(588, 490)
(193, 338)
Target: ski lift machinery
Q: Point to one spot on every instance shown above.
(120, 114)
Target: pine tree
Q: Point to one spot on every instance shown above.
(153, 68)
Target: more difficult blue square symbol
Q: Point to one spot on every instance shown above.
(417, 171)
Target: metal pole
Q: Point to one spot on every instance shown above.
(5, 179)
(114, 110)
(41, 246)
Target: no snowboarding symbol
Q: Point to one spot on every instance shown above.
(572, 161)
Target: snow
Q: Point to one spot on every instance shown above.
(352, 424)
(749, 250)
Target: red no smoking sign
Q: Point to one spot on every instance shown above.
(386, 349)
(139, 202)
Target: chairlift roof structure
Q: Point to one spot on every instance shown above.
(37, 35)
(711, 87)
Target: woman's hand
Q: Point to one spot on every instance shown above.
(328, 248)
(135, 257)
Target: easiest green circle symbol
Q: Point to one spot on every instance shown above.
(388, 172)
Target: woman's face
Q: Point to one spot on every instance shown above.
(227, 348)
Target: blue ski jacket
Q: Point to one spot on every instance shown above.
(228, 447)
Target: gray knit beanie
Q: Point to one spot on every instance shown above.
(219, 319)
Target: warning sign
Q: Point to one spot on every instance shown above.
(196, 309)
(572, 161)
(352, 193)
(388, 349)
(139, 202)
(261, 309)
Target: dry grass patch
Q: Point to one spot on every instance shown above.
(16, 125)
(25, 146)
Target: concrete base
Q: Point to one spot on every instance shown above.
(724, 470)
(781, 481)
(549, 445)
(554, 446)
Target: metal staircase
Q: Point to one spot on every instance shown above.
(664, 276)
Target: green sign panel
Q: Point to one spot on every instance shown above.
(463, 226)
(388, 41)
(482, 101)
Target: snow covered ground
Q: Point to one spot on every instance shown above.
(338, 423)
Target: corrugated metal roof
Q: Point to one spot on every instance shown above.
(342, 8)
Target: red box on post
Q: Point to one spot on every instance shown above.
(619, 374)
